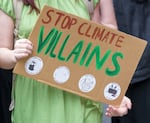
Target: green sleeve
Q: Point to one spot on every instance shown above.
(7, 7)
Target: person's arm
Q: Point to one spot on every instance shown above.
(6, 30)
(107, 13)
(6, 40)
(22, 47)
(104, 14)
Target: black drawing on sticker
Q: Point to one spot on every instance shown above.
(32, 65)
(112, 90)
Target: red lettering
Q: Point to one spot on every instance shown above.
(65, 22)
(59, 17)
(106, 36)
(80, 28)
(48, 19)
(119, 41)
(112, 37)
(87, 31)
(72, 22)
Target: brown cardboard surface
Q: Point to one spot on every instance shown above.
(81, 57)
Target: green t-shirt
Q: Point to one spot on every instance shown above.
(39, 103)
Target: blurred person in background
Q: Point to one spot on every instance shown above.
(133, 17)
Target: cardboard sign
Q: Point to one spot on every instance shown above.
(81, 57)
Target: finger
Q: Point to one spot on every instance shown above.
(117, 111)
(23, 50)
(128, 103)
(23, 43)
(20, 56)
(108, 114)
(24, 46)
(109, 111)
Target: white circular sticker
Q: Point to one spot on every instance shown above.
(33, 65)
(87, 83)
(61, 74)
(112, 91)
